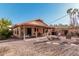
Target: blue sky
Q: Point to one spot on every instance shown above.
(20, 12)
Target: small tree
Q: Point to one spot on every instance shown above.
(4, 28)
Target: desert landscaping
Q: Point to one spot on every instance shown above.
(36, 36)
(41, 46)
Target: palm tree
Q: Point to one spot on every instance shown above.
(73, 13)
(69, 11)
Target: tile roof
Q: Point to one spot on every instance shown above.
(37, 22)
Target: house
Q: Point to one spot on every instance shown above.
(64, 30)
(34, 28)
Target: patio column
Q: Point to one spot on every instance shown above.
(24, 33)
(32, 31)
(36, 32)
(19, 29)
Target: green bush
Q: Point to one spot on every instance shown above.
(5, 33)
(4, 28)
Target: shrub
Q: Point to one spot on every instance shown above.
(4, 28)
(4, 34)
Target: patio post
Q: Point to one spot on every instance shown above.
(36, 32)
(24, 33)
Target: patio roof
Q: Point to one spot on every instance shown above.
(37, 22)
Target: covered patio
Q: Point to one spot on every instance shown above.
(35, 28)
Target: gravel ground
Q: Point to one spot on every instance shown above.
(40, 47)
